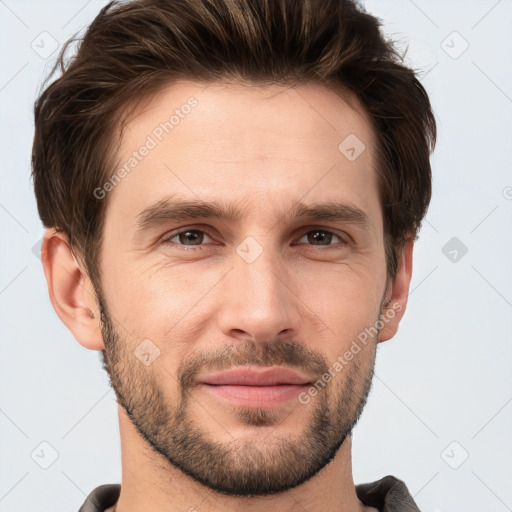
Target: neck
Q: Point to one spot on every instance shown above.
(149, 482)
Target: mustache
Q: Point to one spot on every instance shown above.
(279, 351)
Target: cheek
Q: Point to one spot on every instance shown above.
(141, 292)
(166, 306)
(346, 300)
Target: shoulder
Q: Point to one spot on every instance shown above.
(389, 494)
(101, 498)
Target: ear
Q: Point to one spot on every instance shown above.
(396, 298)
(70, 289)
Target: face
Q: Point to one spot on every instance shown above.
(245, 237)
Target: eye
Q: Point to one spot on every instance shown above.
(187, 237)
(321, 237)
(194, 239)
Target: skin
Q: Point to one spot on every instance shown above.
(300, 304)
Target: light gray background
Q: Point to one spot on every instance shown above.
(443, 386)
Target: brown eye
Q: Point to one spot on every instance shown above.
(320, 237)
(188, 237)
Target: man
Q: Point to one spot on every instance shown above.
(232, 190)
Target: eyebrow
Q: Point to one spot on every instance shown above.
(169, 209)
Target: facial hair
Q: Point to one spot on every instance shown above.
(256, 465)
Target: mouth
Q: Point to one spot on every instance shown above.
(255, 386)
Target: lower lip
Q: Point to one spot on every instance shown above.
(256, 396)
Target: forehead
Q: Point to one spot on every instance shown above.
(237, 141)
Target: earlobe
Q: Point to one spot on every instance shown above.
(70, 290)
(396, 298)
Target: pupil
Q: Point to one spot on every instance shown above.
(190, 236)
(321, 236)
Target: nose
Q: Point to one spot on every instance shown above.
(258, 301)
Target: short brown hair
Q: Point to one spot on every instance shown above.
(132, 48)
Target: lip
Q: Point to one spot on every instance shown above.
(255, 396)
(252, 386)
(255, 376)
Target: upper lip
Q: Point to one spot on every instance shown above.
(255, 376)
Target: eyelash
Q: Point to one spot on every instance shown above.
(167, 239)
